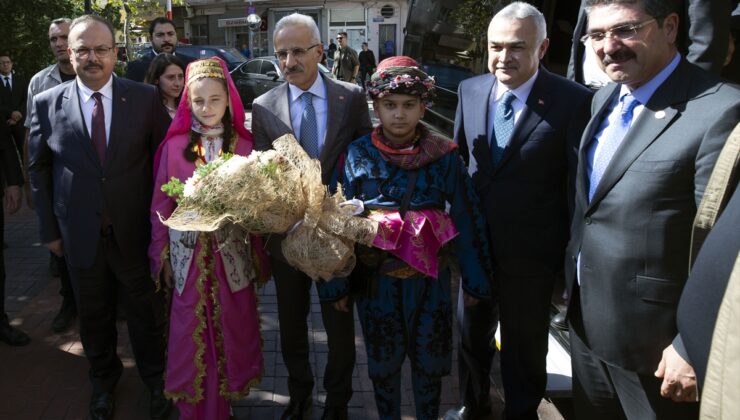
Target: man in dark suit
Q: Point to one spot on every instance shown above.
(325, 115)
(16, 86)
(644, 161)
(703, 38)
(164, 39)
(91, 178)
(518, 127)
(11, 179)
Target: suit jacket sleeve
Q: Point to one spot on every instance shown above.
(459, 129)
(9, 161)
(711, 145)
(364, 125)
(261, 139)
(40, 163)
(708, 33)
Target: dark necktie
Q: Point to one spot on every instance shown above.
(503, 126)
(7, 82)
(309, 128)
(97, 134)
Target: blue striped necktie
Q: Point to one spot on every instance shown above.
(503, 126)
(309, 128)
(610, 141)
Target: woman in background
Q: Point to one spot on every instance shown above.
(167, 72)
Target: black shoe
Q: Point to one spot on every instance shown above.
(101, 406)
(334, 413)
(64, 317)
(159, 407)
(558, 321)
(298, 410)
(13, 336)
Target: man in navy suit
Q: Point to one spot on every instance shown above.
(518, 127)
(91, 178)
(164, 39)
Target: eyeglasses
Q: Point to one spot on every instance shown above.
(297, 53)
(84, 52)
(621, 32)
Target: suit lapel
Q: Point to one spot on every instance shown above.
(120, 112)
(537, 105)
(656, 116)
(282, 106)
(73, 111)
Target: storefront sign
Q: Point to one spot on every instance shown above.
(230, 23)
(212, 11)
(378, 19)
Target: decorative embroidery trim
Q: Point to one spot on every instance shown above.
(163, 256)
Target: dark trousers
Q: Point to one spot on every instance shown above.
(525, 319)
(475, 350)
(607, 392)
(364, 77)
(65, 280)
(3, 315)
(95, 289)
(524, 311)
(294, 304)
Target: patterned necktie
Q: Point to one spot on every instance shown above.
(309, 129)
(7, 82)
(97, 134)
(503, 126)
(610, 141)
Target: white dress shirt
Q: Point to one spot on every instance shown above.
(87, 103)
(9, 78)
(320, 105)
(497, 92)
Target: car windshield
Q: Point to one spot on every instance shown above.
(232, 55)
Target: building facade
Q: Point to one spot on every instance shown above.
(379, 23)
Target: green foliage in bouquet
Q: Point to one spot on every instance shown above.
(174, 188)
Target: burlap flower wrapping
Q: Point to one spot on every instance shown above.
(278, 191)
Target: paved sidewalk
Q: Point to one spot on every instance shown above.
(48, 378)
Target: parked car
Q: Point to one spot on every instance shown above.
(230, 55)
(259, 75)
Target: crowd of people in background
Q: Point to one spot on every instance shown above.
(610, 180)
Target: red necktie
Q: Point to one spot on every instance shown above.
(98, 127)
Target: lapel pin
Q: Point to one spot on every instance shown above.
(123, 99)
(660, 115)
(341, 98)
(540, 101)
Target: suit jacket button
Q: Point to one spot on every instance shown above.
(102, 179)
(588, 220)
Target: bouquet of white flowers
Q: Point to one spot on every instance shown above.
(276, 191)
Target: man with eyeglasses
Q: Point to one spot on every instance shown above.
(91, 145)
(703, 37)
(325, 116)
(54, 75)
(346, 62)
(164, 39)
(643, 165)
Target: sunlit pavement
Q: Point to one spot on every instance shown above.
(48, 378)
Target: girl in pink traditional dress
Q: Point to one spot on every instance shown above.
(214, 346)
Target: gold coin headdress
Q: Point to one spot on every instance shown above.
(207, 68)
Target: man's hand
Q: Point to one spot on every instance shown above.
(12, 198)
(29, 197)
(342, 304)
(469, 301)
(56, 247)
(679, 379)
(167, 273)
